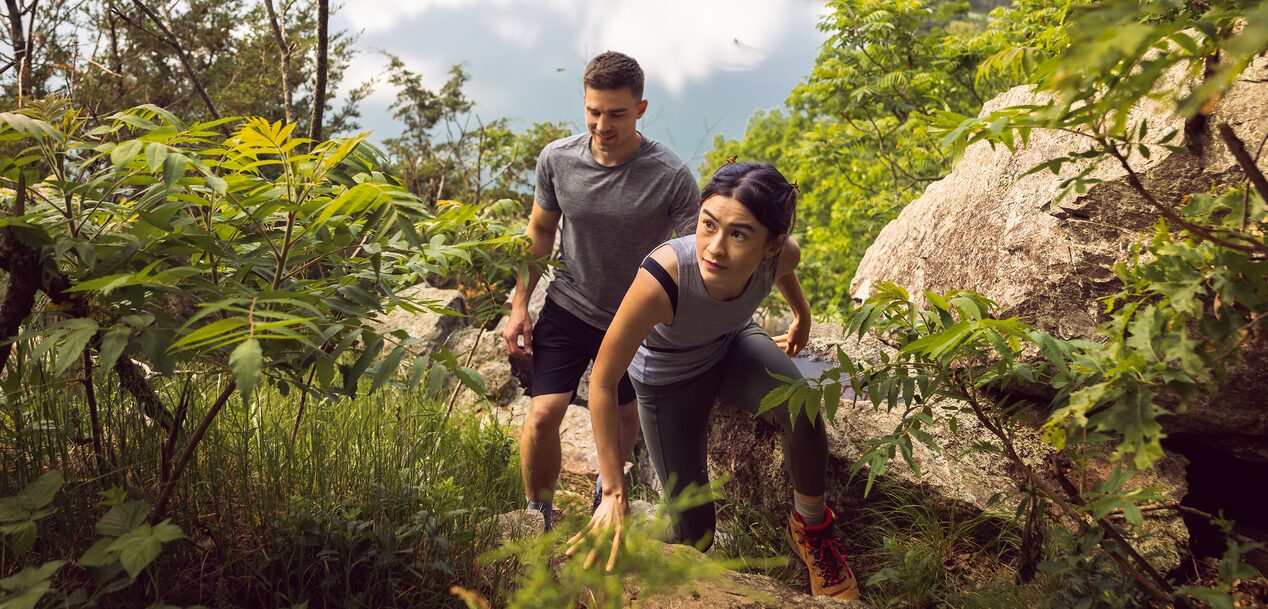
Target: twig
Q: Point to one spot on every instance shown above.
(165, 495)
(91, 396)
(170, 39)
(279, 32)
(1247, 164)
(1169, 213)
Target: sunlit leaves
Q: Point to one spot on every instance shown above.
(261, 255)
(246, 362)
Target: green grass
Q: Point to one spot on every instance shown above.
(379, 501)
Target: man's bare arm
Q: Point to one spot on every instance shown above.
(542, 225)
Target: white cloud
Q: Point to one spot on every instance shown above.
(385, 15)
(676, 41)
(366, 66)
(517, 32)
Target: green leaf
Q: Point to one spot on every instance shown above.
(137, 549)
(112, 346)
(831, 400)
(28, 586)
(246, 362)
(208, 332)
(69, 350)
(20, 536)
(471, 379)
(174, 168)
(99, 554)
(155, 154)
(40, 493)
(125, 152)
(122, 518)
(388, 366)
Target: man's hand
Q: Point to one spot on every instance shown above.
(796, 338)
(608, 519)
(519, 325)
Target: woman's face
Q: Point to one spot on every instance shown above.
(730, 242)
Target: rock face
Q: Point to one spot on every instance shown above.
(988, 228)
(431, 328)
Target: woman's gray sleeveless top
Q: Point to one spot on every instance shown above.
(703, 326)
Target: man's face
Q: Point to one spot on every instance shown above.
(612, 118)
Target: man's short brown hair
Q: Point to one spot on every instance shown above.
(611, 70)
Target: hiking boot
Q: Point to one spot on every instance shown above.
(830, 573)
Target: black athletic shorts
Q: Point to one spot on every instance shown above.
(563, 345)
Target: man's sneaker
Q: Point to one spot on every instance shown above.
(830, 573)
(598, 493)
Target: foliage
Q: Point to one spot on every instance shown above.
(273, 259)
(856, 134)
(646, 564)
(1191, 298)
(377, 501)
(131, 62)
(126, 547)
(440, 155)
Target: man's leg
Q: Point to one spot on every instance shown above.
(540, 458)
(560, 354)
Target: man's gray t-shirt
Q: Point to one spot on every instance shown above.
(612, 217)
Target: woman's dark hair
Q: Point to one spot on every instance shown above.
(762, 189)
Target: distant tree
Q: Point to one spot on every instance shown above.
(446, 151)
(111, 54)
(856, 133)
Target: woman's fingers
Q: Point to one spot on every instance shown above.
(597, 528)
(616, 547)
(576, 539)
(594, 555)
(784, 341)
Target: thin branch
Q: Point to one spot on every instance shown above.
(170, 39)
(279, 32)
(90, 395)
(1247, 164)
(1153, 583)
(1169, 213)
(165, 495)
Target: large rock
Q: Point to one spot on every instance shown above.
(987, 227)
(429, 327)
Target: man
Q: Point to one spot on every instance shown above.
(619, 195)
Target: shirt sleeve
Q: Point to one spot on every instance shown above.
(544, 193)
(684, 207)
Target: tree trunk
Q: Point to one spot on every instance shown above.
(21, 48)
(279, 32)
(319, 87)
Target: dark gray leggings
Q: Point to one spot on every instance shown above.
(675, 422)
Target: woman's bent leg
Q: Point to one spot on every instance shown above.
(746, 380)
(675, 423)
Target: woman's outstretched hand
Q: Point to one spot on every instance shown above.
(609, 518)
(796, 338)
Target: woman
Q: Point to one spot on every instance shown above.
(685, 333)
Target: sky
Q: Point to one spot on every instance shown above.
(709, 64)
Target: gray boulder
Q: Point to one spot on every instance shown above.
(988, 228)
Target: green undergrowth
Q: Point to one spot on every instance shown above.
(378, 501)
(907, 551)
